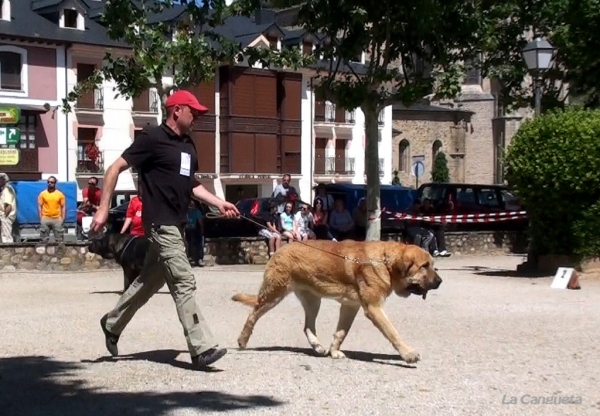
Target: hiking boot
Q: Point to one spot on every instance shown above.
(111, 339)
(208, 357)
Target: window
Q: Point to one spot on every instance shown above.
(488, 198)
(27, 125)
(70, 18)
(5, 10)
(11, 67)
(435, 149)
(473, 74)
(403, 163)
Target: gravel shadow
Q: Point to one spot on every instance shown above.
(493, 272)
(41, 386)
(168, 356)
(352, 355)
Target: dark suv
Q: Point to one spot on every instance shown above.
(463, 198)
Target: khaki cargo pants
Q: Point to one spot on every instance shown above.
(166, 261)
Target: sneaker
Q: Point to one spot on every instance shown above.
(444, 253)
(208, 357)
(111, 339)
(333, 239)
(436, 253)
(200, 263)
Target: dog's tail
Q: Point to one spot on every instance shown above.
(248, 300)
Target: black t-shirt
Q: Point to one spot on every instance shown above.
(268, 217)
(166, 163)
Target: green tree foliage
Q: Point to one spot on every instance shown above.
(569, 25)
(413, 49)
(440, 171)
(190, 47)
(553, 164)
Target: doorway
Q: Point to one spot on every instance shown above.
(235, 193)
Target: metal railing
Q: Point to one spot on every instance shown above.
(87, 165)
(91, 100)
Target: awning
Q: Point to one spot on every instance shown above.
(26, 107)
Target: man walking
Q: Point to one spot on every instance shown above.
(8, 209)
(52, 208)
(166, 159)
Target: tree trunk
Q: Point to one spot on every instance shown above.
(372, 171)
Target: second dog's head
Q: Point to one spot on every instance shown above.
(103, 246)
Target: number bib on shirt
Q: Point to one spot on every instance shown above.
(186, 162)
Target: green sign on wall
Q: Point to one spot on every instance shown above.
(10, 136)
(10, 115)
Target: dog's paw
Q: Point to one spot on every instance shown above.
(337, 354)
(242, 343)
(320, 350)
(410, 356)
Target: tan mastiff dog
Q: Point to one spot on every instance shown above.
(356, 274)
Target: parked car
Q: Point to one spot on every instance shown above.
(463, 198)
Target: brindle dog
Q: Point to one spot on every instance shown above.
(128, 251)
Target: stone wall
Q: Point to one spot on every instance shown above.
(253, 250)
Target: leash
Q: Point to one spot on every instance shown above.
(347, 258)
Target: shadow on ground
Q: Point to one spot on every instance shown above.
(41, 386)
(168, 356)
(493, 272)
(351, 355)
(120, 292)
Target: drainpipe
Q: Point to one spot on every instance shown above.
(67, 47)
(312, 145)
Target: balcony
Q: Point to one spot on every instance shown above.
(91, 100)
(334, 166)
(90, 160)
(381, 118)
(145, 108)
(381, 166)
(327, 112)
(90, 107)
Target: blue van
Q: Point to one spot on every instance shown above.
(393, 197)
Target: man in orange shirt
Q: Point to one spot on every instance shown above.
(52, 209)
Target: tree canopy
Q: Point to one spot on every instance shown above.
(569, 25)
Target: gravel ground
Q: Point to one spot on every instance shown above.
(485, 337)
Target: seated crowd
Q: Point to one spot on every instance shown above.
(300, 222)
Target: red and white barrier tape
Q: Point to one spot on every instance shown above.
(460, 218)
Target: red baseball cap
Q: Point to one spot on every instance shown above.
(183, 97)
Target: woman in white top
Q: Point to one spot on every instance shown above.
(303, 222)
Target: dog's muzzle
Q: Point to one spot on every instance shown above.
(418, 289)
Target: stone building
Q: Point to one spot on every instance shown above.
(472, 130)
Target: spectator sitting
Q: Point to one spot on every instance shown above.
(360, 217)
(439, 241)
(271, 233)
(416, 233)
(91, 196)
(340, 222)
(287, 222)
(321, 217)
(303, 224)
(326, 199)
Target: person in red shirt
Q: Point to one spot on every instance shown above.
(91, 197)
(133, 216)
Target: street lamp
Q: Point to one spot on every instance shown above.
(538, 58)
